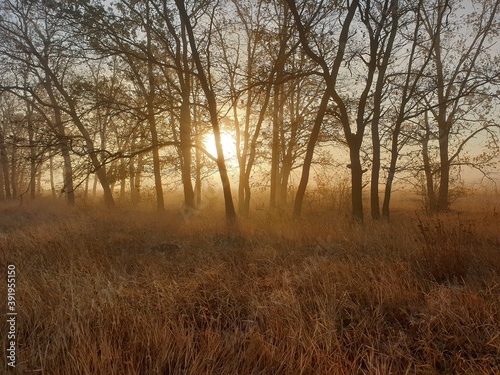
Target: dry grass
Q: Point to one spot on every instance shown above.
(131, 292)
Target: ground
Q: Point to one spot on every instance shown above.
(130, 291)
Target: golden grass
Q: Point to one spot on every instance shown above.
(321, 295)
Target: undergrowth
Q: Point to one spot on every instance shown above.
(132, 292)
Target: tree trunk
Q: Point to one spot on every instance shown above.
(275, 149)
(444, 172)
(356, 179)
(67, 174)
(160, 204)
(377, 112)
(212, 107)
(441, 118)
(185, 125)
(197, 186)
(5, 167)
(13, 171)
(68, 188)
(86, 189)
(131, 170)
(100, 169)
(313, 138)
(51, 175)
(185, 138)
(94, 186)
(123, 178)
(431, 197)
(39, 180)
(138, 178)
(32, 153)
(2, 184)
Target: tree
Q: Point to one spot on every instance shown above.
(461, 73)
(203, 76)
(40, 38)
(330, 76)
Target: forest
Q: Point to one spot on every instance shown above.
(250, 186)
(122, 94)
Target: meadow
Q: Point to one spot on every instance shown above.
(131, 291)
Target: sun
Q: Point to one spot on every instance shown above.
(228, 145)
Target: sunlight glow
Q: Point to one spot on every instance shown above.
(228, 145)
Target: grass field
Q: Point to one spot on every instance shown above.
(135, 292)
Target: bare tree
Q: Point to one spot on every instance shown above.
(203, 75)
(39, 38)
(330, 75)
(461, 73)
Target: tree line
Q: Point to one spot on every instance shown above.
(119, 90)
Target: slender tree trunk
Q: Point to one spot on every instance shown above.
(313, 138)
(100, 169)
(278, 110)
(252, 146)
(288, 154)
(356, 179)
(13, 171)
(444, 171)
(51, 175)
(197, 186)
(33, 170)
(131, 180)
(241, 152)
(160, 204)
(408, 89)
(197, 189)
(330, 76)
(21, 176)
(377, 112)
(212, 106)
(132, 169)
(275, 147)
(441, 118)
(2, 184)
(94, 186)
(138, 178)
(244, 179)
(185, 138)
(67, 174)
(123, 179)
(185, 126)
(375, 179)
(390, 178)
(431, 197)
(39, 180)
(286, 170)
(4, 159)
(63, 145)
(86, 189)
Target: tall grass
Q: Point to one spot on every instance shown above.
(99, 292)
